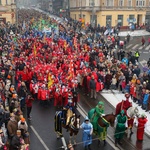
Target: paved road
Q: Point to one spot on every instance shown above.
(42, 133)
(43, 136)
(135, 44)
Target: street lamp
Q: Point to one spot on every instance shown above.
(81, 9)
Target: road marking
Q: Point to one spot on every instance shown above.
(148, 47)
(40, 139)
(143, 62)
(145, 52)
(129, 45)
(135, 46)
(141, 47)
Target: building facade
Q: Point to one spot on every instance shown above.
(7, 11)
(111, 12)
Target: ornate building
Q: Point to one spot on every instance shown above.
(111, 12)
(7, 11)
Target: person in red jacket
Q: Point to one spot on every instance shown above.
(29, 102)
(141, 123)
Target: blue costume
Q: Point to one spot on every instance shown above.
(87, 131)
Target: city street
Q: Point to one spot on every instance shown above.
(42, 129)
(135, 44)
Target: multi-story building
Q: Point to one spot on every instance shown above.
(7, 11)
(111, 12)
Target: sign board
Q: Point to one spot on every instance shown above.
(3, 20)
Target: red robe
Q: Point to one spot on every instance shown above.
(123, 105)
(57, 99)
(140, 129)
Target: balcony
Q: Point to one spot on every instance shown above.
(85, 8)
(109, 8)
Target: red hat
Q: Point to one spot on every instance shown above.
(127, 95)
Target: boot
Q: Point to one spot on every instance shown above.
(119, 141)
(89, 147)
(116, 142)
(67, 127)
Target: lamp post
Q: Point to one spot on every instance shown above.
(93, 14)
(81, 9)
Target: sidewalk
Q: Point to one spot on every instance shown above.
(134, 33)
(114, 97)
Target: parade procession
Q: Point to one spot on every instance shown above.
(55, 76)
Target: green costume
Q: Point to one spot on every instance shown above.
(95, 113)
(121, 125)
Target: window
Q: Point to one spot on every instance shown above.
(129, 3)
(108, 20)
(91, 3)
(120, 20)
(131, 18)
(109, 2)
(121, 3)
(140, 3)
(93, 20)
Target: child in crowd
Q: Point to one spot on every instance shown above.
(113, 83)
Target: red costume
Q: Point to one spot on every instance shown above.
(141, 126)
(123, 105)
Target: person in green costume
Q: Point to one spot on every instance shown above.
(121, 126)
(95, 113)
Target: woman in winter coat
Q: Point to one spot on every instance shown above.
(137, 90)
(121, 78)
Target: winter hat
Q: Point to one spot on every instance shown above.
(100, 103)
(86, 118)
(122, 112)
(22, 119)
(143, 116)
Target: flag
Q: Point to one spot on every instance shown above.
(71, 71)
(34, 50)
(65, 44)
(50, 81)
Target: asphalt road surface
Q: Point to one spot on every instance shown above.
(43, 137)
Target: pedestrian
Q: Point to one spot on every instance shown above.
(128, 38)
(93, 87)
(145, 100)
(16, 141)
(141, 124)
(22, 94)
(108, 79)
(137, 55)
(12, 126)
(121, 126)
(114, 82)
(29, 102)
(143, 41)
(2, 140)
(87, 133)
(23, 127)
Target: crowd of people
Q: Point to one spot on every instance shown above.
(52, 66)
